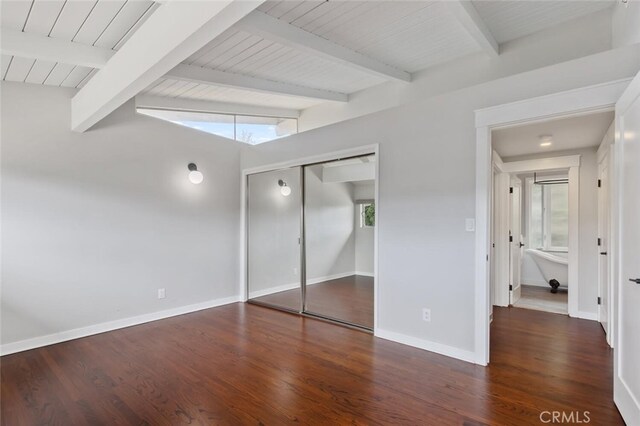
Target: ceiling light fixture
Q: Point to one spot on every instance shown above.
(196, 177)
(284, 189)
(546, 140)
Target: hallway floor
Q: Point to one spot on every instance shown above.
(541, 299)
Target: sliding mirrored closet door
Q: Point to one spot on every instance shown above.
(274, 202)
(339, 223)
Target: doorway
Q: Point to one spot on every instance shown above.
(311, 239)
(536, 221)
(575, 103)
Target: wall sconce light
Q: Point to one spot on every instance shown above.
(195, 176)
(284, 189)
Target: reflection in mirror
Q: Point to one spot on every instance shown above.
(339, 239)
(273, 249)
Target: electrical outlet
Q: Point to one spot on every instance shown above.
(161, 294)
(295, 271)
(426, 314)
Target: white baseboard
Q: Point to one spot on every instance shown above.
(271, 290)
(364, 274)
(427, 345)
(312, 281)
(593, 316)
(63, 336)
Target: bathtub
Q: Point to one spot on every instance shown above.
(552, 266)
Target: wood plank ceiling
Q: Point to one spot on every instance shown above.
(406, 35)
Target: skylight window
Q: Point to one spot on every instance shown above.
(248, 129)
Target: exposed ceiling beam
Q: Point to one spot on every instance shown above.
(274, 29)
(222, 78)
(35, 46)
(468, 16)
(163, 102)
(175, 31)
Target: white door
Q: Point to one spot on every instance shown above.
(627, 346)
(603, 244)
(516, 243)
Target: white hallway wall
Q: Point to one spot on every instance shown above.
(427, 189)
(94, 223)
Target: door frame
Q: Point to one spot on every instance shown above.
(581, 101)
(570, 163)
(606, 155)
(300, 162)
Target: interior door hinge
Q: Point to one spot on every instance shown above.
(511, 190)
(510, 287)
(599, 183)
(599, 242)
(599, 300)
(510, 238)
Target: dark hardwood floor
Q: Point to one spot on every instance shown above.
(245, 364)
(348, 299)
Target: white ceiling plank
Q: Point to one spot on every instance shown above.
(19, 69)
(87, 78)
(47, 48)
(71, 18)
(40, 71)
(274, 29)
(468, 16)
(58, 74)
(122, 23)
(135, 27)
(99, 19)
(4, 63)
(76, 76)
(221, 78)
(151, 52)
(43, 16)
(14, 14)
(159, 102)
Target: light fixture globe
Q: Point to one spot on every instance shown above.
(284, 189)
(195, 177)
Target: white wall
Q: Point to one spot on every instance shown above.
(329, 226)
(588, 226)
(94, 223)
(365, 236)
(427, 189)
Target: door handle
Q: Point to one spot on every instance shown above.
(604, 253)
(521, 245)
(635, 280)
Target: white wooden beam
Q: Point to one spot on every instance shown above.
(35, 46)
(274, 29)
(176, 30)
(195, 105)
(468, 16)
(221, 78)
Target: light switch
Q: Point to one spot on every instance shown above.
(470, 225)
